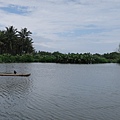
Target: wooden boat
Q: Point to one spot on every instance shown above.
(11, 74)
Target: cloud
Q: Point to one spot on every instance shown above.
(66, 25)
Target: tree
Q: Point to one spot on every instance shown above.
(2, 38)
(10, 37)
(15, 42)
(119, 48)
(26, 41)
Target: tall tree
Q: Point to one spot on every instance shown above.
(15, 42)
(118, 48)
(2, 38)
(11, 36)
(26, 41)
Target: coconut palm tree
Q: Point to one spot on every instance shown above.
(26, 41)
(15, 42)
(10, 39)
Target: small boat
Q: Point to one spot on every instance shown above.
(11, 74)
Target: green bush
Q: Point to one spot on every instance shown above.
(57, 57)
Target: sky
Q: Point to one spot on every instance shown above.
(67, 26)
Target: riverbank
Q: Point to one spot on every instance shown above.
(57, 57)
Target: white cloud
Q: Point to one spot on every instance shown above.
(54, 23)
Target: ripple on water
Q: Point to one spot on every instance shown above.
(13, 91)
(61, 92)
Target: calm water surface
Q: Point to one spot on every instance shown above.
(60, 92)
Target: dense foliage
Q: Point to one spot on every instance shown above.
(57, 57)
(15, 42)
(16, 46)
(77, 58)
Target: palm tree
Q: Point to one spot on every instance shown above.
(26, 41)
(28, 48)
(11, 36)
(3, 48)
(15, 42)
(24, 33)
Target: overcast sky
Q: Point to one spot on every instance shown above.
(77, 26)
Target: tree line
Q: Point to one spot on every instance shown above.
(15, 42)
(57, 57)
(17, 46)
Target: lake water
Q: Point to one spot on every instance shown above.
(60, 92)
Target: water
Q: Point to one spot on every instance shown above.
(60, 92)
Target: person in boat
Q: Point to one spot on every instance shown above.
(15, 72)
